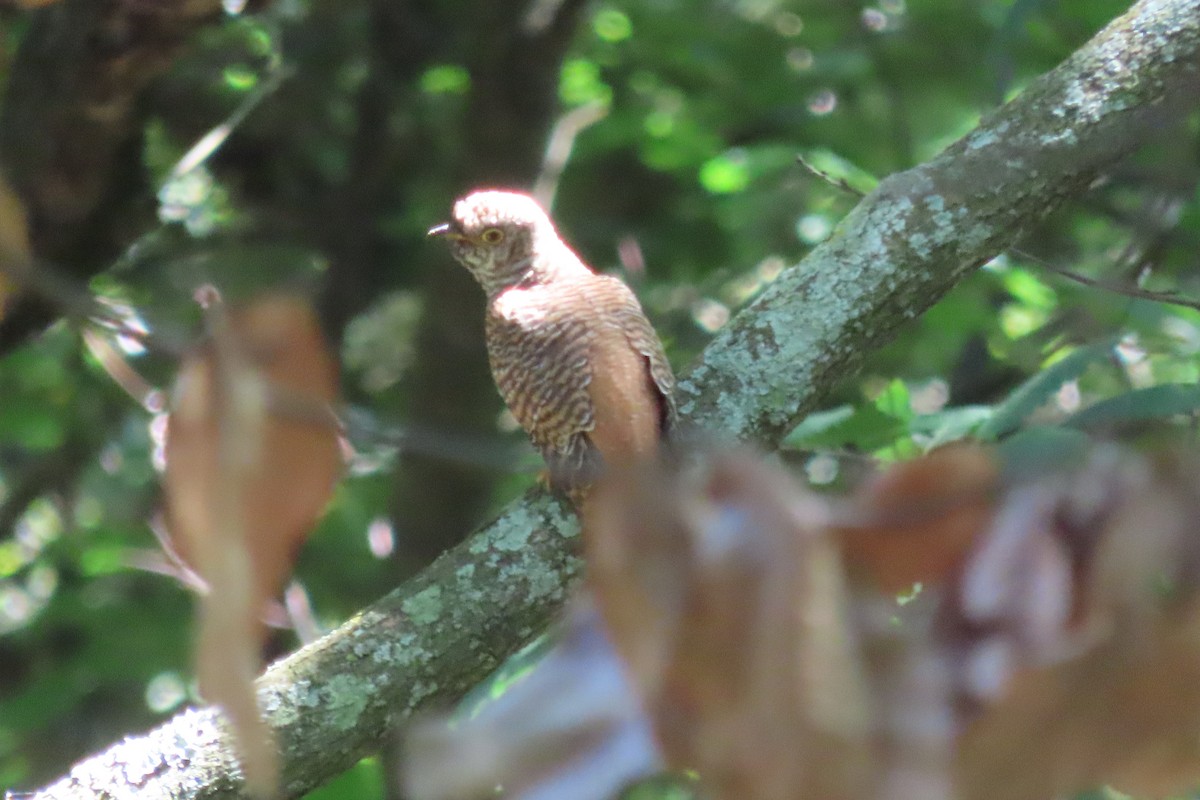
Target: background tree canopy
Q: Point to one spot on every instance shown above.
(153, 148)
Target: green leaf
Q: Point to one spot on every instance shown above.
(1041, 450)
(103, 560)
(663, 787)
(32, 426)
(363, 780)
(580, 83)
(1037, 391)
(895, 401)
(12, 558)
(512, 670)
(240, 77)
(1139, 405)
(819, 423)
(612, 25)
(951, 424)
(866, 428)
(446, 79)
(724, 175)
(1029, 289)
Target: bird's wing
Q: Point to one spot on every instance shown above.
(632, 383)
(644, 340)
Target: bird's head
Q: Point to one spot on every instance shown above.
(498, 236)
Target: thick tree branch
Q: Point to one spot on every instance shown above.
(903, 247)
(924, 229)
(423, 645)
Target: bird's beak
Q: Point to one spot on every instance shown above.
(444, 229)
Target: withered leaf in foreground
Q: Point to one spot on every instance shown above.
(915, 522)
(1055, 649)
(1076, 634)
(725, 595)
(252, 457)
(14, 242)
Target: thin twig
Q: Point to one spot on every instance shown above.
(1110, 286)
(365, 432)
(122, 372)
(837, 183)
(560, 145)
(102, 322)
(210, 142)
(72, 298)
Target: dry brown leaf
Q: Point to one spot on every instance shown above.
(252, 459)
(725, 598)
(918, 518)
(14, 242)
(1076, 634)
(1058, 649)
(912, 720)
(1119, 715)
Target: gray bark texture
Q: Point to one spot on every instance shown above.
(891, 258)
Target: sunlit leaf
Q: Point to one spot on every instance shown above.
(612, 25)
(580, 83)
(724, 175)
(240, 78)
(867, 428)
(952, 424)
(894, 401)
(251, 460)
(446, 79)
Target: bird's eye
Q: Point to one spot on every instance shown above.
(492, 236)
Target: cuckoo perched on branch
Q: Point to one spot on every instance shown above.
(572, 352)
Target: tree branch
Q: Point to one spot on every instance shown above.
(423, 645)
(921, 231)
(892, 257)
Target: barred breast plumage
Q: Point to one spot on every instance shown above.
(572, 352)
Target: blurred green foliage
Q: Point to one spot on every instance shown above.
(688, 182)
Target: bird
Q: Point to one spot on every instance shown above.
(571, 351)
